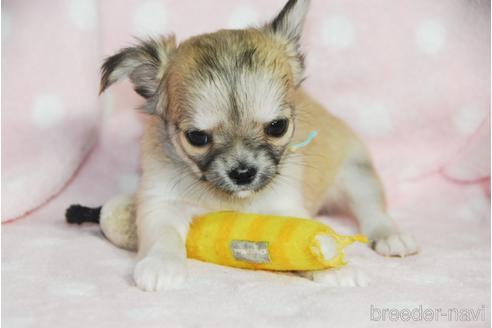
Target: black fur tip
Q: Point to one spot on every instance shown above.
(78, 214)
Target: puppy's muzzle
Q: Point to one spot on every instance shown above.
(243, 175)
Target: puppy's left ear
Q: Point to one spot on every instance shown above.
(144, 64)
(288, 26)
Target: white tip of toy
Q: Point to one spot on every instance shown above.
(328, 246)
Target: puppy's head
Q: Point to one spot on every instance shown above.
(226, 98)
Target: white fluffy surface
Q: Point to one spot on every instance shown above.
(56, 275)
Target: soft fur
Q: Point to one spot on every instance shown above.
(231, 86)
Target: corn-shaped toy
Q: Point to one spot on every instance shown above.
(266, 242)
(249, 241)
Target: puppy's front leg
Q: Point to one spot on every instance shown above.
(162, 229)
(366, 201)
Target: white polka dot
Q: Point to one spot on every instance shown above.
(337, 32)
(14, 183)
(242, 17)
(47, 111)
(6, 24)
(83, 13)
(430, 36)
(128, 183)
(468, 119)
(150, 18)
(475, 208)
(374, 120)
(76, 289)
(108, 104)
(409, 172)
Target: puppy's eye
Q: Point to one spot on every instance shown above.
(277, 128)
(198, 138)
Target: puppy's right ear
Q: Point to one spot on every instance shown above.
(145, 65)
(289, 21)
(288, 26)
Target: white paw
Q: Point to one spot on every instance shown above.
(347, 276)
(396, 245)
(153, 274)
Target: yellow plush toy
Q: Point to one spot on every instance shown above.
(249, 241)
(266, 242)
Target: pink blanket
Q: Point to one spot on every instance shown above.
(412, 77)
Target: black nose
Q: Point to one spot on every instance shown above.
(243, 175)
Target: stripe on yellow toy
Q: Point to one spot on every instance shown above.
(266, 242)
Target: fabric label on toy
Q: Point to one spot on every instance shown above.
(250, 251)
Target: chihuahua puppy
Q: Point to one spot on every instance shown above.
(224, 108)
